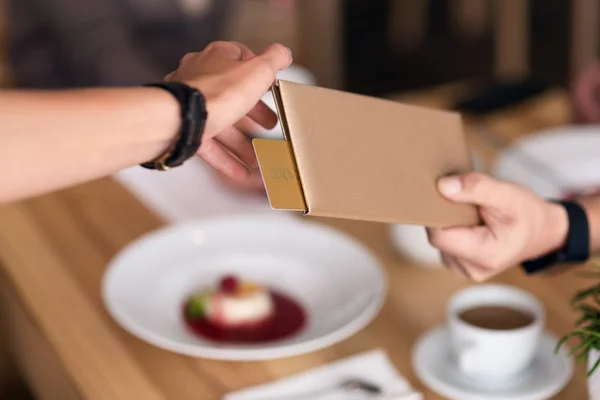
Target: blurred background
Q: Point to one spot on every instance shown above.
(368, 46)
(375, 47)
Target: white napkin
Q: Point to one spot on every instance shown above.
(188, 192)
(372, 366)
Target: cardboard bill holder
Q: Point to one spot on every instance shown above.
(356, 157)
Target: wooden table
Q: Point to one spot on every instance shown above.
(55, 248)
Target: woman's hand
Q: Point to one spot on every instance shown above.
(517, 226)
(233, 80)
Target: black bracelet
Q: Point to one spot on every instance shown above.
(193, 120)
(577, 245)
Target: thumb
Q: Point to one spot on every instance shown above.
(261, 70)
(277, 56)
(474, 188)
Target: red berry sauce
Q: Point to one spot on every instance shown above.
(288, 318)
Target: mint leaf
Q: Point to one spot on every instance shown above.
(195, 307)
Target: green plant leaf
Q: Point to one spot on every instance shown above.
(583, 346)
(585, 293)
(562, 341)
(587, 332)
(589, 310)
(585, 318)
(587, 327)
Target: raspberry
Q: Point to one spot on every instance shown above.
(229, 284)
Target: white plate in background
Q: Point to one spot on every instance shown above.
(572, 153)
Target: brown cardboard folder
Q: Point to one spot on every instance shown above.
(356, 157)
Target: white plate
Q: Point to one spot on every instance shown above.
(572, 153)
(337, 280)
(435, 367)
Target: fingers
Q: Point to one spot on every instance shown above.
(248, 127)
(478, 189)
(238, 144)
(515, 228)
(263, 115)
(252, 185)
(470, 252)
(221, 54)
(263, 68)
(248, 82)
(214, 154)
(254, 182)
(277, 56)
(467, 270)
(463, 242)
(246, 52)
(227, 50)
(241, 53)
(453, 265)
(479, 273)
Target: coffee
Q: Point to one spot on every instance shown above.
(497, 317)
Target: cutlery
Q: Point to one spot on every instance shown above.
(370, 391)
(354, 385)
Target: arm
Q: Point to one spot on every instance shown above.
(52, 140)
(49, 140)
(97, 41)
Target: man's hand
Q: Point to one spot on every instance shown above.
(251, 186)
(518, 225)
(233, 80)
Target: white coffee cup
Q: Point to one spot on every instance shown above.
(494, 356)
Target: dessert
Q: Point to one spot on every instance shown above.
(240, 311)
(233, 304)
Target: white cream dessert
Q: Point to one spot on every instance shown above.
(234, 304)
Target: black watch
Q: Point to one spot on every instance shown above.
(193, 119)
(577, 244)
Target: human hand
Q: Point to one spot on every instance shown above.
(585, 94)
(518, 225)
(232, 80)
(253, 185)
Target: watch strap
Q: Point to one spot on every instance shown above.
(577, 244)
(193, 119)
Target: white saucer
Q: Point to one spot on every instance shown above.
(435, 367)
(337, 280)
